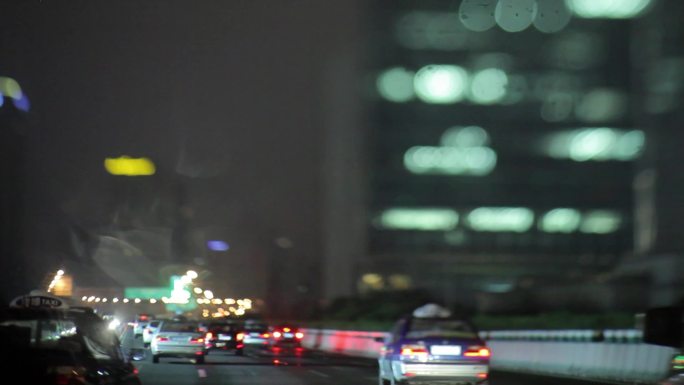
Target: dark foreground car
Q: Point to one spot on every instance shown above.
(227, 336)
(433, 350)
(46, 342)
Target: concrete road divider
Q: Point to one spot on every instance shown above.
(612, 355)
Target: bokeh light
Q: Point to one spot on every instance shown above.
(478, 15)
(441, 83)
(396, 85)
(488, 86)
(422, 219)
(552, 16)
(608, 9)
(515, 15)
(501, 219)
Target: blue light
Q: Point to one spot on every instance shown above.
(218, 245)
(22, 103)
(2, 99)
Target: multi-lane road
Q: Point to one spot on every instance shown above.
(309, 368)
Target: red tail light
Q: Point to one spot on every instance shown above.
(197, 340)
(413, 350)
(240, 336)
(482, 375)
(299, 335)
(477, 351)
(209, 336)
(277, 334)
(162, 338)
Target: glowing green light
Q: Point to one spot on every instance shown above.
(488, 86)
(423, 219)
(440, 84)
(600, 222)
(10, 87)
(396, 85)
(515, 15)
(470, 136)
(449, 160)
(560, 221)
(501, 219)
(629, 145)
(592, 144)
(601, 105)
(608, 9)
(597, 144)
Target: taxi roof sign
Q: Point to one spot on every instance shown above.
(431, 310)
(38, 299)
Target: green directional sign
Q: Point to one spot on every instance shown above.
(147, 292)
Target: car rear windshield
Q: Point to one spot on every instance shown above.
(154, 324)
(421, 328)
(179, 327)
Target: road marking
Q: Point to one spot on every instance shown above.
(320, 374)
(202, 373)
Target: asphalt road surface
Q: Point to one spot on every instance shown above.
(307, 368)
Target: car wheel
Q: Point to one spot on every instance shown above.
(199, 360)
(239, 352)
(155, 359)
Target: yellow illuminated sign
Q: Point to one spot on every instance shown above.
(128, 166)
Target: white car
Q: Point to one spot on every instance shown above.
(178, 339)
(150, 331)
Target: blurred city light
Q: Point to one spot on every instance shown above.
(601, 222)
(197, 290)
(10, 87)
(552, 16)
(373, 281)
(396, 85)
(561, 220)
(441, 84)
(216, 245)
(152, 300)
(84, 298)
(126, 300)
(423, 219)
(501, 219)
(596, 144)
(208, 294)
(115, 300)
(601, 105)
(478, 15)
(608, 9)
(515, 15)
(137, 300)
(192, 274)
(488, 86)
(465, 137)
(400, 281)
(431, 30)
(127, 166)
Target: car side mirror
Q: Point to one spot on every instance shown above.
(379, 339)
(663, 326)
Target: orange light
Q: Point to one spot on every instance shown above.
(477, 352)
(265, 335)
(286, 330)
(482, 375)
(277, 334)
(299, 335)
(413, 350)
(197, 340)
(209, 336)
(240, 336)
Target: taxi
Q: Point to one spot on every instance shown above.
(430, 346)
(48, 342)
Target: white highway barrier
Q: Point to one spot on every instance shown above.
(614, 355)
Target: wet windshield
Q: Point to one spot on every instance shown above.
(351, 170)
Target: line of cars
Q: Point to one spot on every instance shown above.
(179, 337)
